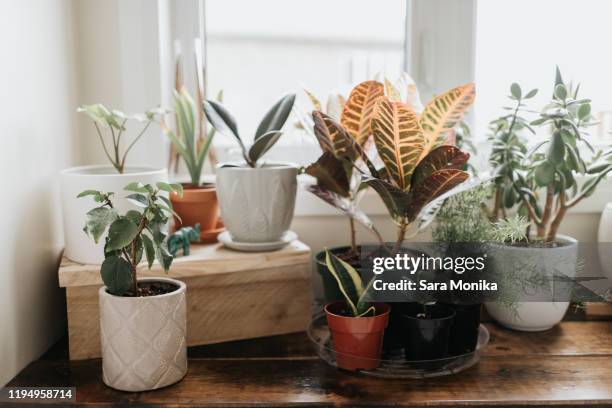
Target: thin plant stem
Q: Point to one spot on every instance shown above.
(104, 146)
(353, 235)
(133, 143)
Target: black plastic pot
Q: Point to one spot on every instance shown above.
(464, 331)
(426, 330)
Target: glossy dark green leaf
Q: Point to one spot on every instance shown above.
(137, 187)
(163, 256)
(121, 233)
(149, 250)
(134, 216)
(263, 144)
(117, 275)
(556, 151)
(222, 120)
(275, 118)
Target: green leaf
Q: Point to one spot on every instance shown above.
(116, 274)
(170, 188)
(149, 250)
(584, 111)
(136, 187)
(348, 279)
(556, 151)
(531, 94)
(97, 220)
(121, 233)
(89, 193)
(138, 199)
(276, 116)
(163, 256)
(263, 144)
(134, 216)
(222, 120)
(516, 91)
(560, 92)
(544, 174)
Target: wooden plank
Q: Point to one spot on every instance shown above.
(204, 260)
(232, 306)
(598, 310)
(499, 381)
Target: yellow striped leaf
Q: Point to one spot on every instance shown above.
(443, 112)
(399, 140)
(359, 108)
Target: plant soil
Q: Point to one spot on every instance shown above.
(189, 186)
(153, 289)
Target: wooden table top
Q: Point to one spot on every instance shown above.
(567, 366)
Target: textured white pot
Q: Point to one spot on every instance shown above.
(534, 316)
(143, 339)
(78, 246)
(605, 235)
(257, 203)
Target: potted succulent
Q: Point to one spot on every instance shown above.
(142, 321)
(257, 199)
(113, 126)
(545, 186)
(198, 203)
(357, 326)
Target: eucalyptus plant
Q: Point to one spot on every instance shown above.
(267, 134)
(132, 234)
(350, 285)
(187, 141)
(115, 122)
(555, 163)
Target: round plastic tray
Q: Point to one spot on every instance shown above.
(394, 364)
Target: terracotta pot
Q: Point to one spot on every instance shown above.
(357, 340)
(197, 206)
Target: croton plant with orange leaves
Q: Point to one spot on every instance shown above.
(420, 165)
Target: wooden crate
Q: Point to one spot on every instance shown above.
(230, 295)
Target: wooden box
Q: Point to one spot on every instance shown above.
(230, 295)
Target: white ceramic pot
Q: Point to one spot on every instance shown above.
(540, 315)
(143, 339)
(78, 246)
(605, 235)
(257, 203)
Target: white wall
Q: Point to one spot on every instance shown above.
(38, 139)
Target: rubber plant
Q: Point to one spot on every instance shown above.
(338, 181)
(418, 166)
(267, 134)
(131, 235)
(115, 122)
(554, 164)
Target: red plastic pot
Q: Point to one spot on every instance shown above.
(357, 340)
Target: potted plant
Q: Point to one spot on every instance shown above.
(198, 203)
(462, 229)
(257, 199)
(546, 186)
(142, 321)
(357, 326)
(112, 128)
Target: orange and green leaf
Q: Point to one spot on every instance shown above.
(442, 158)
(359, 109)
(399, 140)
(443, 112)
(438, 183)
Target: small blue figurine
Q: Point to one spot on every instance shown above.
(183, 238)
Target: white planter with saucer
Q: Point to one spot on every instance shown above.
(514, 261)
(78, 247)
(257, 204)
